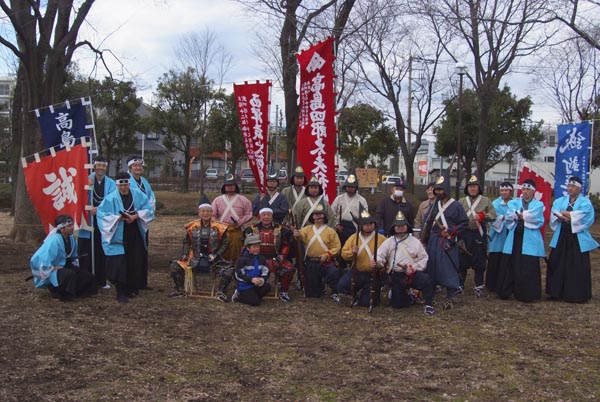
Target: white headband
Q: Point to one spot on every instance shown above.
(133, 161)
(205, 205)
(101, 163)
(64, 224)
(527, 185)
(122, 181)
(506, 188)
(265, 210)
(575, 183)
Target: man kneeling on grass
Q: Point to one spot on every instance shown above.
(251, 272)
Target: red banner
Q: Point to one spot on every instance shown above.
(56, 184)
(543, 192)
(422, 168)
(253, 110)
(316, 125)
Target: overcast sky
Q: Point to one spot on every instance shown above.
(143, 33)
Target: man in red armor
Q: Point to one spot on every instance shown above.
(275, 242)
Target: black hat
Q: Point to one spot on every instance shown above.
(313, 182)
(271, 173)
(351, 181)
(399, 220)
(319, 209)
(230, 179)
(365, 217)
(443, 182)
(298, 172)
(203, 201)
(473, 180)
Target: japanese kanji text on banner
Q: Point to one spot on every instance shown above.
(62, 126)
(56, 184)
(316, 124)
(572, 156)
(253, 110)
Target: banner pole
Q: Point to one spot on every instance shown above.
(589, 181)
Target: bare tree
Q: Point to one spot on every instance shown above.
(581, 17)
(385, 47)
(571, 78)
(45, 41)
(202, 54)
(296, 22)
(493, 34)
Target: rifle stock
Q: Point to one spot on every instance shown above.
(374, 274)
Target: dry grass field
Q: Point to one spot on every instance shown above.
(161, 349)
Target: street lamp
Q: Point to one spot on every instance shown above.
(461, 70)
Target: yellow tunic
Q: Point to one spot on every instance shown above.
(363, 261)
(330, 239)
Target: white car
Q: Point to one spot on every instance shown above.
(391, 179)
(211, 173)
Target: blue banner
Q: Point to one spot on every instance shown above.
(63, 125)
(572, 156)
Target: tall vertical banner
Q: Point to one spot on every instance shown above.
(62, 126)
(253, 110)
(316, 123)
(572, 156)
(543, 191)
(57, 183)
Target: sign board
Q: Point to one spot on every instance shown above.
(367, 177)
(422, 168)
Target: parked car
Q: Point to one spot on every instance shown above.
(342, 175)
(247, 176)
(391, 179)
(211, 173)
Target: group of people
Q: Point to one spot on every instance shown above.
(112, 247)
(337, 248)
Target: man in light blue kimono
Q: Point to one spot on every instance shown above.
(135, 164)
(520, 272)
(445, 221)
(55, 266)
(569, 276)
(101, 185)
(123, 218)
(498, 235)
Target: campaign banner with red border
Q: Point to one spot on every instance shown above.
(57, 183)
(543, 191)
(316, 123)
(252, 102)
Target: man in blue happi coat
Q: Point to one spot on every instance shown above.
(444, 222)
(569, 275)
(498, 235)
(519, 272)
(123, 218)
(55, 266)
(101, 185)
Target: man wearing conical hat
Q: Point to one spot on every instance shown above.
(313, 196)
(569, 271)
(360, 249)
(498, 233)
(520, 272)
(271, 199)
(347, 207)
(480, 211)
(389, 207)
(321, 245)
(235, 210)
(295, 192)
(405, 260)
(444, 222)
